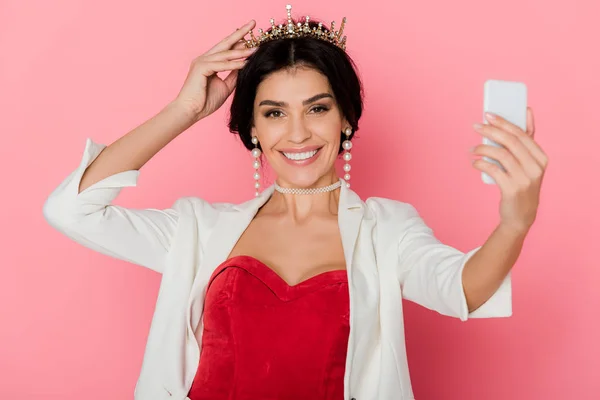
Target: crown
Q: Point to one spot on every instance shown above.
(299, 30)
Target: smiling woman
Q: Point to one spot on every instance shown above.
(305, 94)
(297, 293)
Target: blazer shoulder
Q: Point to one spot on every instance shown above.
(394, 220)
(205, 212)
(197, 203)
(392, 211)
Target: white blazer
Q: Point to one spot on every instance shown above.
(390, 254)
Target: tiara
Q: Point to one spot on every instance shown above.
(299, 30)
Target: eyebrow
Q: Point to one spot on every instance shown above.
(305, 102)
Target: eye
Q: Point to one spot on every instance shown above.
(319, 109)
(273, 114)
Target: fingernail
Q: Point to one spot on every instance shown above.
(472, 149)
(490, 116)
(477, 127)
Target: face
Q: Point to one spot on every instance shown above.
(298, 125)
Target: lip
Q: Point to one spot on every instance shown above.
(301, 163)
(300, 149)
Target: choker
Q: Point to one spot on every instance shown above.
(309, 190)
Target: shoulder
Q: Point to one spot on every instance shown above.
(201, 210)
(390, 210)
(196, 203)
(396, 218)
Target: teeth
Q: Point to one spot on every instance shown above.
(300, 156)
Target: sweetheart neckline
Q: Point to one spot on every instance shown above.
(334, 273)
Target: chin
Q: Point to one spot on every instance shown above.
(298, 182)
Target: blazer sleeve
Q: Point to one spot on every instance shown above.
(431, 274)
(140, 236)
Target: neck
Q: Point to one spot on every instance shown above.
(301, 207)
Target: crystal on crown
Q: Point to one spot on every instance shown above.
(299, 30)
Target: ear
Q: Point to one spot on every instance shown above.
(345, 124)
(253, 133)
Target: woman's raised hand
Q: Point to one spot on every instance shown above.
(203, 92)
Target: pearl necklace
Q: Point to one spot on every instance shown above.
(308, 191)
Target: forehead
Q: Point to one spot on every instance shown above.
(293, 85)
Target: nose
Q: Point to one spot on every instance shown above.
(298, 130)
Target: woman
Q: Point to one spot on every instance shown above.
(298, 292)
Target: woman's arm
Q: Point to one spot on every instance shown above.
(81, 206)
(137, 147)
(519, 182)
(478, 283)
(485, 271)
(203, 93)
(430, 272)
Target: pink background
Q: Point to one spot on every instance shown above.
(74, 323)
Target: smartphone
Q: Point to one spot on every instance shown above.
(508, 100)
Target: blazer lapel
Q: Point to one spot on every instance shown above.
(350, 214)
(229, 227)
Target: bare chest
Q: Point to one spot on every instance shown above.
(293, 253)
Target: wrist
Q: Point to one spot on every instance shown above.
(185, 110)
(513, 231)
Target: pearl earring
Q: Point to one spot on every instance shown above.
(347, 145)
(256, 154)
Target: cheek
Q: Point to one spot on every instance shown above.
(267, 134)
(329, 130)
(335, 138)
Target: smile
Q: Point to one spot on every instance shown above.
(301, 156)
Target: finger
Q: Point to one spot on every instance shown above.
(515, 146)
(228, 55)
(231, 40)
(510, 141)
(530, 122)
(504, 124)
(501, 178)
(222, 66)
(505, 158)
(533, 148)
(231, 80)
(241, 44)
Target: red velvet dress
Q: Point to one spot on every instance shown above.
(264, 339)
